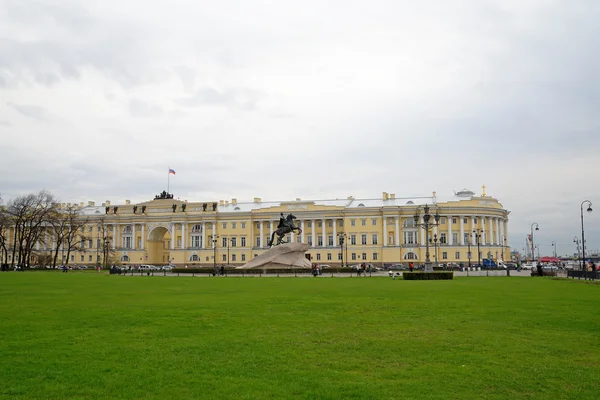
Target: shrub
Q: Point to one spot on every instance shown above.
(427, 276)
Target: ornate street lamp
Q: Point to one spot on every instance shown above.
(576, 241)
(341, 239)
(435, 252)
(427, 223)
(589, 210)
(554, 246)
(478, 233)
(214, 239)
(537, 228)
(469, 246)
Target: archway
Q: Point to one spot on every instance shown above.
(158, 246)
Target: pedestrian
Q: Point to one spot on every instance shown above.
(222, 270)
(411, 266)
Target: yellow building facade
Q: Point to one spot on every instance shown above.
(380, 231)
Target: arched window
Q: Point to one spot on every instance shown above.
(127, 230)
(409, 223)
(194, 257)
(361, 205)
(125, 258)
(197, 228)
(410, 256)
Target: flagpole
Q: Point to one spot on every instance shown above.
(168, 178)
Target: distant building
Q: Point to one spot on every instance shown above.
(380, 231)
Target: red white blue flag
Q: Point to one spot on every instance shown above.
(171, 171)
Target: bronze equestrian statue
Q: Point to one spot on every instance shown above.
(286, 225)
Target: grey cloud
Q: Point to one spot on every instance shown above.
(139, 108)
(246, 99)
(5, 123)
(35, 112)
(186, 75)
(110, 96)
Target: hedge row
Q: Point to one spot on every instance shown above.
(427, 276)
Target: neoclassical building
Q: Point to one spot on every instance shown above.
(381, 231)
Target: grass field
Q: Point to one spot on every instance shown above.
(95, 336)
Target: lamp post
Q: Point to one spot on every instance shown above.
(228, 251)
(341, 240)
(435, 252)
(576, 241)
(478, 233)
(214, 239)
(589, 210)
(469, 246)
(554, 246)
(427, 223)
(537, 228)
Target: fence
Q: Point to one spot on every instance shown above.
(584, 275)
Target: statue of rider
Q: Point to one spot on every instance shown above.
(282, 221)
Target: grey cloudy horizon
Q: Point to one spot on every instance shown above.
(309, 100)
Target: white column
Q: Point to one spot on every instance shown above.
(498, 237)
(474, 228)
(251, 233)
(271, 225)
(450, 241)
(114, 241)
(262, 238)
(172, 236)
(397, 231)
(324, 229)
(133, 236)
(292, 237)
(385, 238)
(314, 238)
(491, 229)
(335, 243)
(462, 230)
(143, 238)
(422, 221)
(302, 234)
(183, 234)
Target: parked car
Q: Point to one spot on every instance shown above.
(167, 268)
(528, 266)
(398, 267)
(323, 266)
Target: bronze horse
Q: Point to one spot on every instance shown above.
(285, 226)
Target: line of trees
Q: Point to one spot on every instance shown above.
(38, 219)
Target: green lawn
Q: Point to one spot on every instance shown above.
(95, 336)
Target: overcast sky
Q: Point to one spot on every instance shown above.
(312, 99)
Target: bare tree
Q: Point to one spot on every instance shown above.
(105, 239)
(4, 225)
(29, 215)
(68, 227)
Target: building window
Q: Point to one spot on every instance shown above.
(318, 256)
(374, 256)
(330, 223)
(409, 237)
(330, 240)
(339, 256)
(466, 238)
(309, 240)
(353, 239)
(320, 240)
(233, 257)
(310, 224)
(457, 255)
(328, 256)
(374, 221)
(90, 228)
(90, 258)
(443, 239)
(72, 258)
(127, 242)
(196, 241)
(258, 225)
(258, 241)
(475, 220)
(465, 220)
(82, 258)
(243, 257)
(224, 257)
(243, 225)
(341, 224)
(454, 237)
(233, 225)
(197, 228)
(233, 242)
(374, 238)
(352, 222)
(243, 241)
(363, 239)
(410, 256)
(224, 240)
(444, 255)
(320, 224)
(453, 220)
(224, 224)
(90, 243)
(353, 256)
(442, 220)
(363, 222)
(364, 256)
